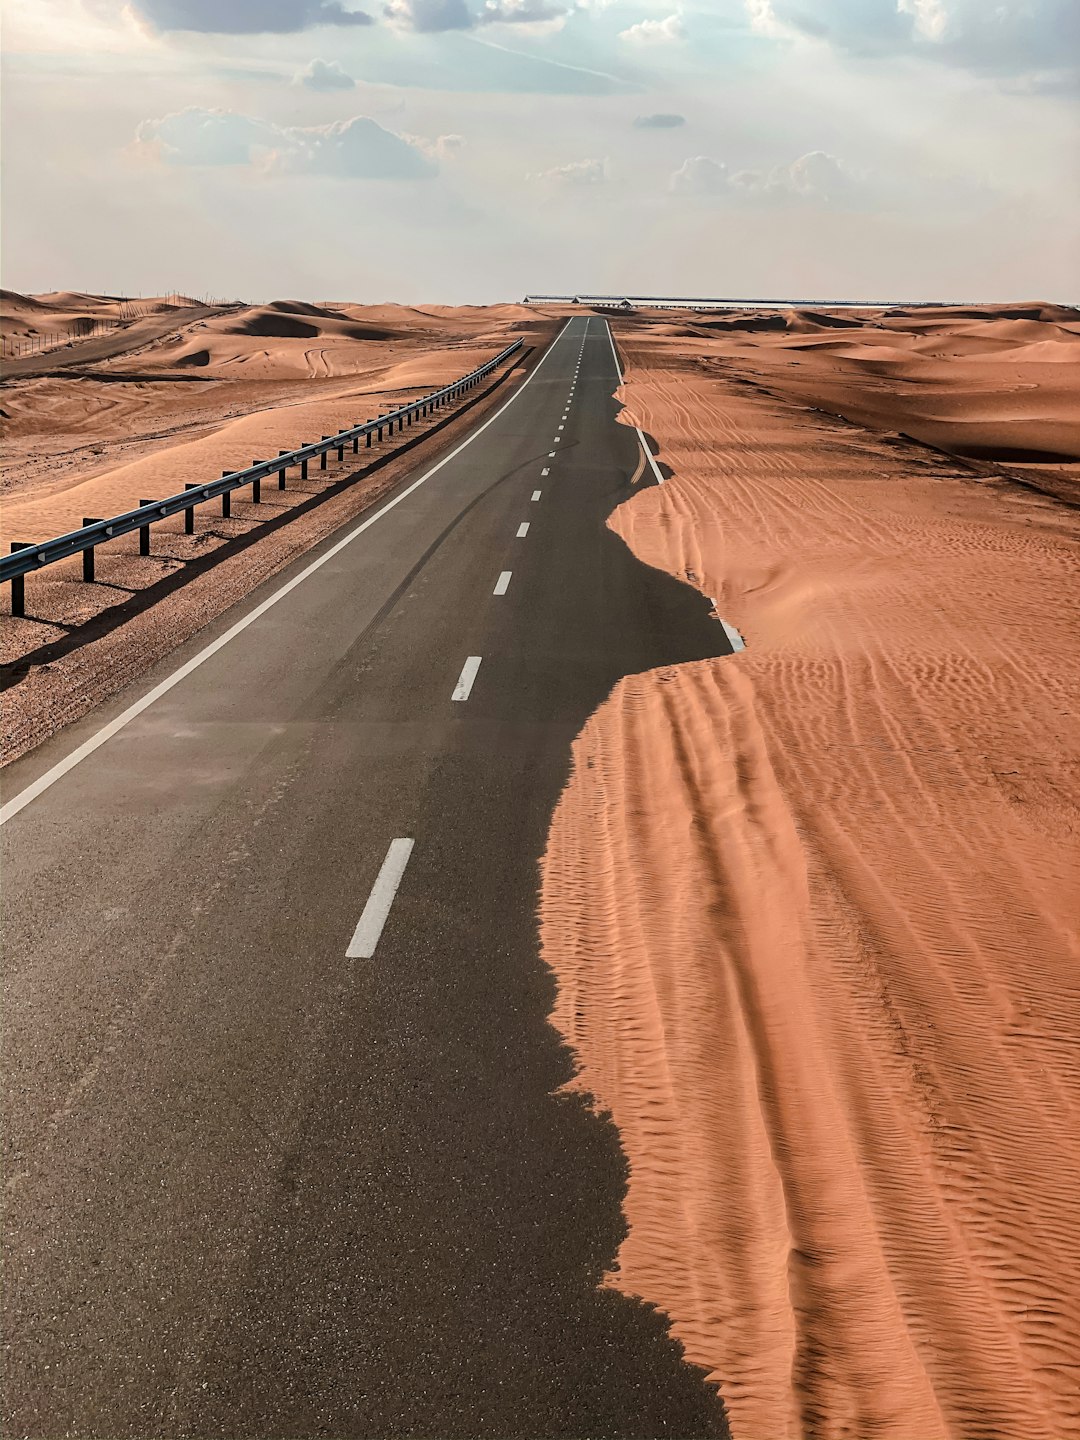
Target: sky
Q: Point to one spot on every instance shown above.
(470, 151)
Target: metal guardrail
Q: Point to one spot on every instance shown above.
(27, 557)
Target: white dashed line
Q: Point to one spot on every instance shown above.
(523, 530)
(536, 495)
(100, 737)
(503, 583)
(466, 678)
(545, 471)
(551, 454)
(370, 925)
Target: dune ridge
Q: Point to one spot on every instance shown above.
(809, 910)
(214, 393)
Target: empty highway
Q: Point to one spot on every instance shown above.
(283, 1153)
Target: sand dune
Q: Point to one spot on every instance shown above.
(183, 402)
(811, 911)
(989, 384)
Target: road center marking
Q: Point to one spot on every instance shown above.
(466, 678)
(370, 925)
(545, 471)
(536, 495)
(100, 737)
(523, 530)
(503, 583)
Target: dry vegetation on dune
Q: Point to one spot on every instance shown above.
(811, 908)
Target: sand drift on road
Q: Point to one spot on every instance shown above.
(809, 907)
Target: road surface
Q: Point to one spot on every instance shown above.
(283, 1151)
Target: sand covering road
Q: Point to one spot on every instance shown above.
(810, 907)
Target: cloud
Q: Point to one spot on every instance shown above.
(655, 32)
(815, 176)
(659, 122)
(324, 75)
(522, 12)
(1006, 38)
(577, 172)
(701, 175)
(244, 17)
(430, 16)
(356, 149)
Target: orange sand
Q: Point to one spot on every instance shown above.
(810, 912)
(94, 437)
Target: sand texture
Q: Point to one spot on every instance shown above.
(811, 908)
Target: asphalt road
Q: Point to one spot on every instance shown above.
(258, 1188)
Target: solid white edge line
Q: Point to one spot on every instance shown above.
(523, 530)
(503, 583)
(735, 640)
(650, 456)
(614, 352)
(536, 495)
(370, 925)
(466, 679)
(80, 753)
(618, 371)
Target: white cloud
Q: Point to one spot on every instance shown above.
(430, 16)
(537, 14)
(701, 175)
(324, 75)
(930, 16)
(355, 149)
(814, 176)
(244, 17)
(655, 32)
(997, 37)
(577, 172)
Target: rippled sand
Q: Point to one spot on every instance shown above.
(810, 909)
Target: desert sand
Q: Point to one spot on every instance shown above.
(175, 395)
(811, 907)
(213, 393)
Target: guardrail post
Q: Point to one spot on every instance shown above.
(341, 453)
(367, 439)
(380, 428)
(189, 514)
(355, 440)
(281, 472)
(400, 422)
(226, 499)
(144, 532)
(88, 555)
(256, 486)
(303, 468)
(322, 457)
(18, 585)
